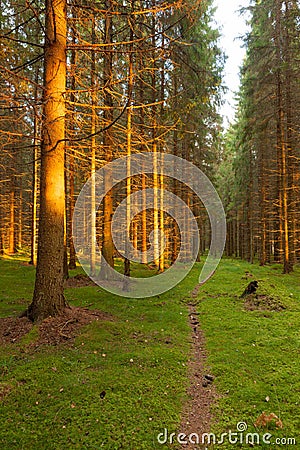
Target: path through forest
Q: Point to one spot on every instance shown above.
(196, 416)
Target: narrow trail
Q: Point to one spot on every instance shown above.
(197, 415)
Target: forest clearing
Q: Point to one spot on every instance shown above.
(149, 254)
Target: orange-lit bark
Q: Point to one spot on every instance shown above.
(12, 232)
(48, 297)
(282, 152)
(154, 149)
(144, 220)
(161, 178)
(93, 159)
(128, 168)
(107, 244)
(34, 189)
(72, 256)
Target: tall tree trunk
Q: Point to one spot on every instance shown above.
(12, 217)
(129, 143)
(291, 157)
(175, 240)
(48, 297)
(2, 249)
(93, 157)
(71, 197)
(154, 146)
(144, 180)
(33, 225)
(144, 220)
(282, 147)
(161, 206)
(20, 217)
(108, 245)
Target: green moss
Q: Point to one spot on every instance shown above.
(254, 354)
(124, 381)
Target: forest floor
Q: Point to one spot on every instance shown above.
(127, 373)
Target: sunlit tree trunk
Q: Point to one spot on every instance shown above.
(161, 181)
(108, 142)
(144, 179)
(282, 147)
(71, 198)
(128, 168)
(93, 158)
(33, 246)
(144, 220)
(175, 240)
(161, 223)
(128, 179)
(20, 217)
(154, 148)
(12, 217)
(2, 249)
(48, 297)
(291, 156)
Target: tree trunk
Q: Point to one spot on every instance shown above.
(161, 206)
(12, 225)
(72, 256)
(128, 164)
(154, 146)
(93, 157)
(108, 142)
(282, 150)
(20, 218)
(48, 297)
(2, 249)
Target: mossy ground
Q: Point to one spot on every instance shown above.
(123, 381)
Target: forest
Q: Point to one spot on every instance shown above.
(89, 89)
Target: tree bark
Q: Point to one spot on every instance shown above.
(93, 157)
(108, 143)
(72, 256)
(34, 182)
(48, 298)
(282, 150)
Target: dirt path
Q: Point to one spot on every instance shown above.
(197, 413)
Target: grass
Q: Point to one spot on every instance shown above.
(139, 360)
(53, 395)
(255, 355)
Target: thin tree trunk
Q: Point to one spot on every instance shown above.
(20, 218)
(144, 220)
(36, 133)
(175, 239)
(72, 255)
(107, 245)
(282, 149)
(161, 206)
(154, 148)
(2, 249)
(291, 157)
(93, 159)
(144, 180)
(129, 142)
(12, 219)
(161, 222)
